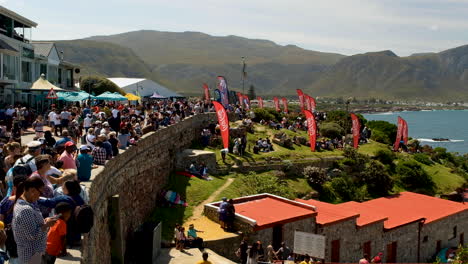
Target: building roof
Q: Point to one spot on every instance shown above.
(13, 15)
(150, 87)
(366, 215)
(396, 210)
(330, 213)
(6, 47)
(122, 82)
(43, 48)
(270, 210)
(408, 207)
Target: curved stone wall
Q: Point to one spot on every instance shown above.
(136, 176)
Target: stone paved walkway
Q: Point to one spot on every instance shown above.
(193, 255)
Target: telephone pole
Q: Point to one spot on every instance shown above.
(243, 75)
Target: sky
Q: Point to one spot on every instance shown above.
(341, 26)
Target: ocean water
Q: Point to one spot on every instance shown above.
(426, 125)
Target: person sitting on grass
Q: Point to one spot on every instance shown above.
(56, 237)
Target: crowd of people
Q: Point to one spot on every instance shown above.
(43, 204)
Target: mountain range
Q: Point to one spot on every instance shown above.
(184, 61)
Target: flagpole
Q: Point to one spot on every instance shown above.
(243, 75)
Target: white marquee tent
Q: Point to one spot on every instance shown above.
(143, 87)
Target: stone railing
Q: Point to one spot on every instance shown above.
(134, 179)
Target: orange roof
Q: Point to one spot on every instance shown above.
(408, 207)
(367, 216)
(269, 210)
(395, 210)
(330, 213)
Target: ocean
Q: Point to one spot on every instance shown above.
(426, 125)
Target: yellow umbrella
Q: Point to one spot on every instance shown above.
(132, 97)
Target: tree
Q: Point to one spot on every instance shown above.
(414, 178)
(252, 95)
(99, 85)
(331, 130)
(383, 131)
(316, 177)
(378, 180)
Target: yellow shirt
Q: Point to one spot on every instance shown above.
(204, 262)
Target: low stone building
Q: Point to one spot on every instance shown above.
(407, 227)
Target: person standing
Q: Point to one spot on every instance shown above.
(205, 259)
(29, 227)
(222, 212)
(252, 254)
(68, 156)
(56, 237)
(85, 164)
(243, 247)
(283, 252)
(57, 123)
(65, 118)
(38, 126)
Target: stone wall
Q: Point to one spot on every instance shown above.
(136, 176)
(443, 230)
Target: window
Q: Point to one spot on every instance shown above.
(462, 239)
(60, 76)
(26, 71)
(69, 78)
(10, 67)
(454, 233)
(425, 239)
(43, 70)
(53, 74)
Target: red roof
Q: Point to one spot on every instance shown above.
(367, 216)
(330, 213)
(408, 207)
(395, 210)
(269, 211)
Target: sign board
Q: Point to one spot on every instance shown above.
(308, 243)
(52, 94)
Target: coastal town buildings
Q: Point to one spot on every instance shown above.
(406, 227)
(22, 61)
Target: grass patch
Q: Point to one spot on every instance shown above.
(372, 147)
(193, 191)
(445, 180)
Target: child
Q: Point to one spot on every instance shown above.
(56, 238)
(38, 126)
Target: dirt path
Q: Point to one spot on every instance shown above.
(198, 211)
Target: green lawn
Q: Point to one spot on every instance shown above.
(192, 190)
(445, 180)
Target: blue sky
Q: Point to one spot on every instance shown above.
(344, 26)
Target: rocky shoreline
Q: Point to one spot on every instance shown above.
(374, 109)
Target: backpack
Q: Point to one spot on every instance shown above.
(84, 217)
(23, 168)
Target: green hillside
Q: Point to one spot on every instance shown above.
(184, 61)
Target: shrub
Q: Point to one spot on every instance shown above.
(440, 155)
(262, 113)
(264, 183)
(423, 158)
(99, 85)
(315, 176)
(342, 118)
(347, 190)
(355, 162)
(327, 193)
(414, 177)
(331, 130)
(378, 180)
(382, 131)
(385, 156)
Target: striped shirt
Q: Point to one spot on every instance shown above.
(29, 236)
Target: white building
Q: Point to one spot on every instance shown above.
(143, 87)
(22, 61)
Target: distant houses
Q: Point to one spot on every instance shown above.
(22, 61)
(407, 227)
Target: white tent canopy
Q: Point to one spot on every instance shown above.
(143, 87)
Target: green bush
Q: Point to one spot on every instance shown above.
(342, 118)
(414, 177)
(382, 131)
(347, 190)
(264, 183)
(354, 162)
(99, 85)
(262, 113)
(315, 176)
(378, 180)
(385, 156)
(423, 158)
(331, 130)
(440, 155)
(327, 193)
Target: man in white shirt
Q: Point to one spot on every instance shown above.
(65, 118)
(87, 122)
(57, 124)
(115, 112)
